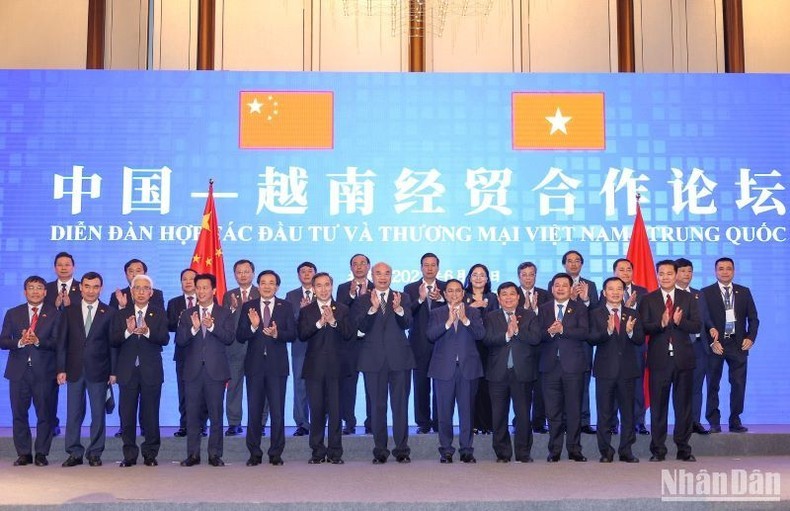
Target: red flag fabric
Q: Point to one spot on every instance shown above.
(641, 256)
(208, 251)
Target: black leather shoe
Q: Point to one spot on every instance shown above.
(23, 460)
(275, 460)
(423, 431)
(204, 432)
(150, 462)
(127, 463)
(118, 433)
(589, 430)
(503, 460)
(263, 431)
(379, 460)
(403, 459)
(300, 431)
(698, 429)
(72, 461)
(614, 430)
(641, 429)
(94, 461)
(658, 457)
(216, 461)
(540, 430)
(686, 457)
(349, 431)
(738, 428)
(41, 460)
(316, 461)
(445, 459)
(233, 430)
(180, 433)
(191, 461)
(56, 431)
(577, 456)
(254, 461)
(629, 458)
(606, 458)
(468, 458)
(553, 459)
(714, 429)
(368, 431)
(526, 459)
(337, 461)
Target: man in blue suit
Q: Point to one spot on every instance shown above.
(86, 363)
(455, 368)
(139, 332)
(267, 325)
(204, 331)
(386, 360)
(30, 333)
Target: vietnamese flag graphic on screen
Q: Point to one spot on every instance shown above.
(286, 120)
(566, 120)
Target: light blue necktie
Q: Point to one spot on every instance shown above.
(89, 320)
(729, 327)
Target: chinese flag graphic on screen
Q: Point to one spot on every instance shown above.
(207, 257)
(567, 120)
(286, 120)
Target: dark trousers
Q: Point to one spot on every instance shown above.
(204, 393)
(736, 367)
(324, 398)
(481, 406)
(585, 413)
(448, 393)
(236, 353)
(538, 406)
(396, 384)
(700, 375)
(22, 392)
(301, 405)
(348, 401)
(639, 392)
(182, 402)
(75, 416)
(679, 382)
(263, 389)
(425, 411)
(131, 394)
(562, 393)
(611, 393)
(503, 393)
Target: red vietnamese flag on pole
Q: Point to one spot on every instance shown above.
(641, 256)
(208, 251)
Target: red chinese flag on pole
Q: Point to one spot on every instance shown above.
(641, 256)
(208, 252)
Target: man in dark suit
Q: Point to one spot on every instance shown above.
(563, 361)
(139, 332)
(266, 325)
(324, 326)
(61, 292)
(528, 292)
(386, 360)
(347, 294)
(455, 368)
(424, 294)
(732, 324)
(203, 332)
(512, 336)
(699, 340)
(299, 298)
(669, 316)
(243, 271)
(616, 331)
(585, 292)
(86, 363)
(121, 298)
(30, 333)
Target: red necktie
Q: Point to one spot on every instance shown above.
(34, 319)
(616, 320)
(190, 302)
(243, 296)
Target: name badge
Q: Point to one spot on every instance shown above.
(729, 316)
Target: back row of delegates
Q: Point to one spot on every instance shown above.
(546, 337)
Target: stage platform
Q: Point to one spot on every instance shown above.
(425, 484)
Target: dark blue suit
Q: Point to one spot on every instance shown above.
(88, 361)
(563, 362)
(266, 369)
(592, 294)
(140, 376)
(30, 371)
(75, 295)
(175, 307)
(538, 406)
(512, 384)
(386, 360)
(322, 371)
(481, 401)
(206, 371)
(455, 369)
(700, 341)
(301, 408)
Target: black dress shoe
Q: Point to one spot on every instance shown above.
(502, 460)
(118, 433)
(232, 430)
(606, 458)
(191, 461)
(423, 431)
(316, 461)
(686, 457)
(641, 429)
(714, 429)
(447, 458)
(263, 431)
(150, 462)
(738, 428)
(337, 461)
(553, 459)
(180, 433)
(658, 457)
(41, 460)
(94, 461)
(56, 431)
(368, 431)
(127, 463)
(526, 459)
(215, 461)
(25, 459)
(254, 461)
(468, 458)
(379, 460)
(614, 430)
(275, 460)
(541, 430)
(403, 459)
(577, 456)
(204, 432)
(589, 430)
(629, 458)
(698, 429)
(72, 461)
(300, 431)
(349, 431)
